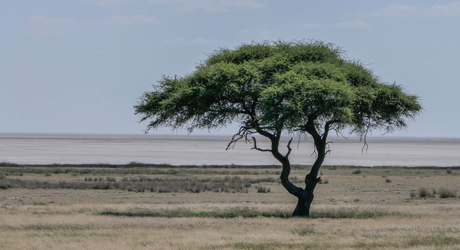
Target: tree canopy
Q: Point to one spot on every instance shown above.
(273, 87)
(280, 86)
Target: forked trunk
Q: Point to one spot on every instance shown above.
(305, 195)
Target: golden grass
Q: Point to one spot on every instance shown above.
(71, 219)
(27, 230)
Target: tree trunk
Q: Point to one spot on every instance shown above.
(303, 204)
(306, 196)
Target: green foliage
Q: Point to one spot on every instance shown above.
(278, 86)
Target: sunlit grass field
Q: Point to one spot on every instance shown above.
(138, 206)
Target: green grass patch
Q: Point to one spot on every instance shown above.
(180, 213)
(436, 239)
(267, 246)
(247, 213)
(411, 241)
(352, 214)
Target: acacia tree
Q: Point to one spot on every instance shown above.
(271, 88)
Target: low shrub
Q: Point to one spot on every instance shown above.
(423, 193)
(261, 189)
(446, 193)
(110, 179)
(358, 171)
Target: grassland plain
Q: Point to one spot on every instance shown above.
(225, 207)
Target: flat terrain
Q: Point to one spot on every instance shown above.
(207, 149)
(139, 206)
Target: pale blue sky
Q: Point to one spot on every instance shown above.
(78, 66)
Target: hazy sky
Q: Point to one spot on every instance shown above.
(78, 66)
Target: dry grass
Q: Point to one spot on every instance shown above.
(352, 211)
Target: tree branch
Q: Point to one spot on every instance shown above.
(327, 127)
(243, 133)
(259, 149)
(289, 148)
(339, 133)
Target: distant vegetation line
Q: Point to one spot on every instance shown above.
(135, 165)
(225, 166)
(227, 184)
